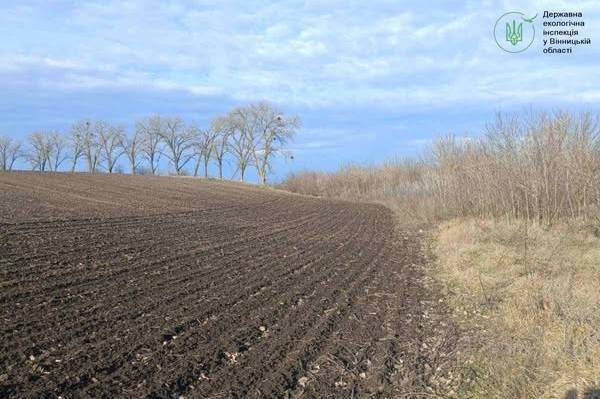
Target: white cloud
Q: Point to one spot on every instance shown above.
(306, 53)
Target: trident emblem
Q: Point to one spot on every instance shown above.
(514, 34)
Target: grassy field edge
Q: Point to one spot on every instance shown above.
(528, 300)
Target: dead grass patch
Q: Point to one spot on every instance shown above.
(531, 296)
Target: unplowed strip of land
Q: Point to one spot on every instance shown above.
(158, 287)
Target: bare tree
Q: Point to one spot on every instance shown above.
(241, 143)
(150, 132)
(273, 131)
(77, 143)
(39, 151)
(204, 146)
(131, 148)
(57, 151)
(109, 139)
(259, 132)
(222, 128)
(178, 139)
(10, 151)
(83, 138)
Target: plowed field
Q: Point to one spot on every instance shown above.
(158, 287)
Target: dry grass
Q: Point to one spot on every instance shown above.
(532, 296)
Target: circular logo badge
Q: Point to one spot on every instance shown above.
(514, 32)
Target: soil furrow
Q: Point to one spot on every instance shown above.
(156, 287)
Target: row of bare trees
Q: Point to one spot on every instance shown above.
(541, 167)
(249, 136)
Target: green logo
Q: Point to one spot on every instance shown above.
(513, 32)
(514, 35)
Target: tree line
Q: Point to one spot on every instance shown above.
(541, 167)
(251, 136)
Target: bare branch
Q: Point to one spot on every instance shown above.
(109, 139)
(150, 130)
(204, 145)
(179, 140)
(131, 148)
(10, 151)
(223, 130)
(39, 151)
(84, 139)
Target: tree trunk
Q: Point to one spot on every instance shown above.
(153, 166)
(262, 174)
(196, 168)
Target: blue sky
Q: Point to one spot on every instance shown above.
(370, 79)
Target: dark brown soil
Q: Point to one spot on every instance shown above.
(121, 286)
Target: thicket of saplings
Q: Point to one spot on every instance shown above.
(518, 248)
(249, 136)
(541, 167)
